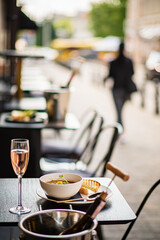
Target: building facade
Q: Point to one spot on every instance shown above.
(143, 28)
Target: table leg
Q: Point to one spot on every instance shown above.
(156, 96)
(99, 233)
(19, 71)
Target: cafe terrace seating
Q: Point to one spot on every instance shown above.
(77, 142)
(91, 163)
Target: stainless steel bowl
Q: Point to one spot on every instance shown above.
(57, 102)
(47, 224)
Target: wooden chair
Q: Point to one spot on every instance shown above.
(141, 206)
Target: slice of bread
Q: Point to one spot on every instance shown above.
(89, 184)
(84, 191)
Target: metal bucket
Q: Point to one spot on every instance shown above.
(57, 103)
(47, 224)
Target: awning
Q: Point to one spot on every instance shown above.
(107, 44)
(150, 32)
(25, 22)
(73, 43)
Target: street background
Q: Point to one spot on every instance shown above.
(138, 156)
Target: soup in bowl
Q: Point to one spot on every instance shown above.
(61, 185)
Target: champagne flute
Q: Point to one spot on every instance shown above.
(19, 160)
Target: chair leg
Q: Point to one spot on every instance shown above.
(140, 208)
(99, 233)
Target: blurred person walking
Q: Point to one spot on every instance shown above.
(121, 71)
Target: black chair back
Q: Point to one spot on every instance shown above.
(141, 206)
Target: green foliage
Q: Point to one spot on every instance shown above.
(39, 36)
(107, 18)
(53, 32)
(63, 27)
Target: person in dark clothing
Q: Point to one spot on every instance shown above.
(121, 71)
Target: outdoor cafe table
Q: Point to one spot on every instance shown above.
(20, 55)
(31, 131)
(116, 211)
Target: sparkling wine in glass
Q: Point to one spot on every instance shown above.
(19, 160)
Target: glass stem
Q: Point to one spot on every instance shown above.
(19, 191)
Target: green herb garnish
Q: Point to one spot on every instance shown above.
(62, 180)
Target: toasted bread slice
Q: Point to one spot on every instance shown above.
(89, 184)
(84, 191)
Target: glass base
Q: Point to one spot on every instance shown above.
(19, 210)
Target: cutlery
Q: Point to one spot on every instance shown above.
(71, 200)
(64, 201)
